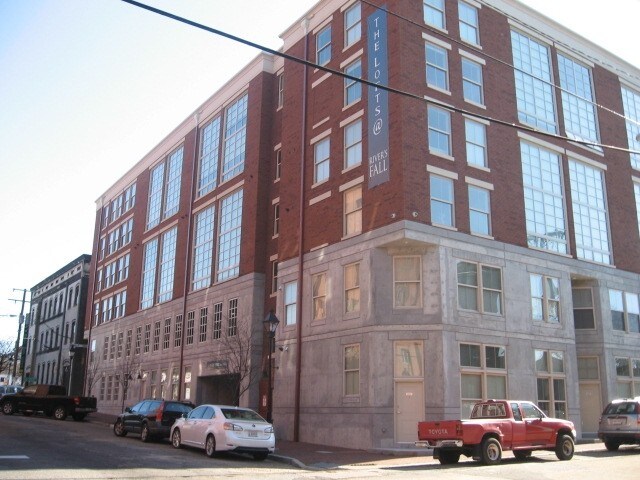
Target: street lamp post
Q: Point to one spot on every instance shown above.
(271, 323)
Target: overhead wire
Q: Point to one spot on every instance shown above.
(369, 83)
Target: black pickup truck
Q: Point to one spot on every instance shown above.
(49, 399)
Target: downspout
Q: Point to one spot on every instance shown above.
(303, 152)
(187, 261)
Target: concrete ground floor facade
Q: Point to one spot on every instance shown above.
(407, 323)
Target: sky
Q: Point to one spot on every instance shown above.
(88, 87)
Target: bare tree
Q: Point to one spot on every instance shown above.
(93, 366)
(127, 368)
(7, 351)
(241, 373)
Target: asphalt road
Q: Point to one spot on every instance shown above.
(42, 448)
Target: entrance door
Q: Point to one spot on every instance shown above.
(590, 407)
(409, 408)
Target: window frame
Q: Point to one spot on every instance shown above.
(352, 201)
(476, 83)
(545, 298)
(466, 26)
(479, 288)
(476, 211)
(437, 132)
(319, 291)
(352, 25)
(350, 371)
(353, 88)
(482, 371)
(323, 45)
(442, 201)
(418, 282)
(440, 69)
(321, 164)
(439, 10)
(550, 376)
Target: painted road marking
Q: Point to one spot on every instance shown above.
(14, 457)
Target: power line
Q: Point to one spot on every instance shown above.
(373, 84)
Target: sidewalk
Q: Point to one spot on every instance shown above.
(307, 455)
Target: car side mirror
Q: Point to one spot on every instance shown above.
(127, 409)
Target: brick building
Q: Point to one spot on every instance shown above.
(469, 234)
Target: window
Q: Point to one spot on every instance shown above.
(469, 29)
(229, 236)
(209, 153)
(588, 368)
(353, 211)
(147, 337)
(323, 46)
(437, 67)
(280, 90)
(164, 189)
(543, 198)
(319, 296)
(149, 273)
(479, 288)
(483, 374)
(274, 276)
(204, 315)
(128, 343)
(534, 83)
(232, 330)
(545, 298)
(590, 215)
(407, 281)
(138, 340)
(441, 191)
(353, 144)
(217, 320)
(479, 210)
(625, 311)
(278, 164)
(166, 334)
(434, 14)
(472, 81)
(583, 314)
(628, 377)
(439, 131)
(276, 219)
(203, 248)
(191, 319)
(290, 303)
(105, 348)
(177, 338)
(631, 103)
(321, 152)
(129, 198)
(352, 288)
(352, 26)
(577, 100)
(235, 137)
(123, 268)
(550, 379)
(636, 191)
(156, 336)
(353, 88)
(167, 265)
(352, 370)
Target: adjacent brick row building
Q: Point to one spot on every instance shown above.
(467, 235)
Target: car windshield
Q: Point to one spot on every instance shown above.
(237, 414)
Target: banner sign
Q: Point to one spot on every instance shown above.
(378, 114)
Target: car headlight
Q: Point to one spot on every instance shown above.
(232, 426)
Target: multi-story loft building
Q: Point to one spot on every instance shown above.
(468, 234)
(54, 347)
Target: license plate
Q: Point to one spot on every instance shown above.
(617, 421)
(253, 433)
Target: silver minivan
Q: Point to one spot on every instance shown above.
(620, 423)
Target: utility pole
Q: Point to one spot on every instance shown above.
(20, 320)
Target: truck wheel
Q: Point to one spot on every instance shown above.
(60, 413)
(8, 408)
(611, 446)
(448, 458)
(118, 429)
(78, 417)
(565, 447)
(491, 451)
(522, 454)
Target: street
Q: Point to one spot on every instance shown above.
(42, 448)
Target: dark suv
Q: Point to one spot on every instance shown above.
(620, 423)
(150, 418)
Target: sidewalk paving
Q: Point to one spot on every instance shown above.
(322, 457)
